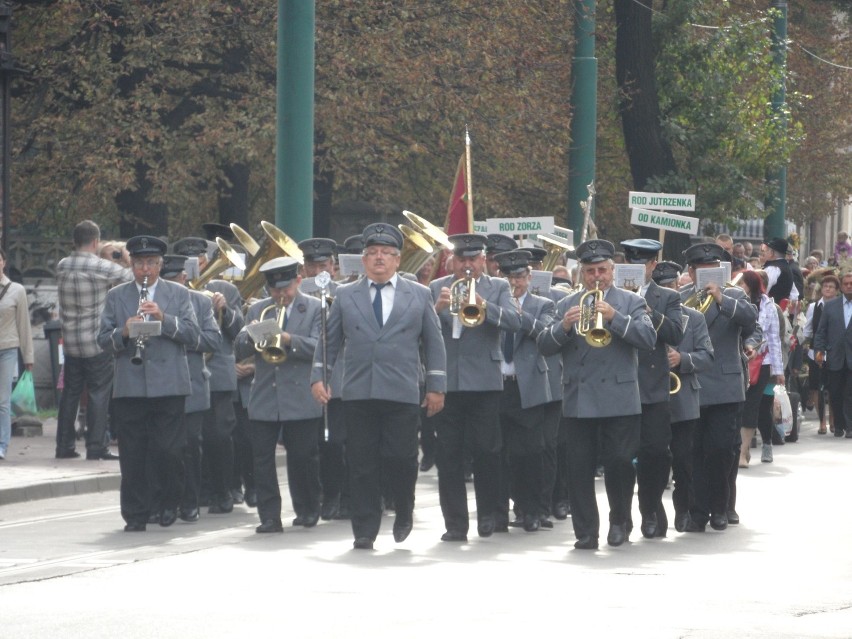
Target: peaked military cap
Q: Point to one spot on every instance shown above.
(467, 244)
(353, 244)
(382, 234)
(280, 271)
(593, 251)
(190, 246)
(146, 245)
(318, 249)
(172, 265)
(536, 254)
(497, 243)
(666, 272)
(641, 250)
(705, 253)
(513, 262)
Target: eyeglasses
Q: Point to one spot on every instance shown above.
(383, 252)
(150, 262)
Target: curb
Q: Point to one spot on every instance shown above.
(60, 488)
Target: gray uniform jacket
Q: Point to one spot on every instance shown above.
(531, 366)
(223, 376)
(473, 360)
(383, 362)
(834, 337)
(696, 356)
(654, 365)
(601, 382)
(210, 339)
(728, 324)
(164, 371)
(281, 392)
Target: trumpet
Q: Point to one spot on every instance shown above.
(140, 339)
(591, 322)
(674, 383)
(700, 300)
(463, 301)
(272, 350)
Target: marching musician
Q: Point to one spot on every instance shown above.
(693, 355)
(600, 393)
(654, 460)
(220, 419)
(730, 320)
(469, 422)
(279, 404)
(149, 396)
(198, 401)
(527, 407)
(375, 330)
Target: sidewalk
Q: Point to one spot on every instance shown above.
(31, 470)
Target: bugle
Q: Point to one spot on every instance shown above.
(463, 301)
(591, 325)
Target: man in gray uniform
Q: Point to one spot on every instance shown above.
(600, 393)
(279, 404)
(469, 423)
(149, 395)
(730, 319)
(376, 328)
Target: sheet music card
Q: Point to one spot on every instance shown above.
(629, 276)
(704, 276)
(148, 328)
(263, 331)
(540, 282)
(350, 265)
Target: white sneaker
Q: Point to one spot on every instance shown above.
(766, 455)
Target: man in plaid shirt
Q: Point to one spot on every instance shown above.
(83, 282)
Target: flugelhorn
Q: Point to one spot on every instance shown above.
(701, 300)
(272, 350)
(674, 383)
(591, 325)
(463, 301)
(140, 339)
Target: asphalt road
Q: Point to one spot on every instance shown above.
(67, 570)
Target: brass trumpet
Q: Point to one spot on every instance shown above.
(674, 383)
(272, 350)
(591, 325)
(463, 301)
(700, 300)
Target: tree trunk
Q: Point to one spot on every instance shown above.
(233, 198)
(138, 216)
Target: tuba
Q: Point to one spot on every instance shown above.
(227, 258)
(416, 250)
(272, 350)
(555, 247)
(245, 240)
(701, 300)
(591, 323)
(463, 301)
(276, 244)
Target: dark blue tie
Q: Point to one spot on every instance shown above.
(508, 346)
(377, 303)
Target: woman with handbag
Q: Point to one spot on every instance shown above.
(15, 333)
(766, 369)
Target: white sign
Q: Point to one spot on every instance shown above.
(666, 201)
(666, 221)
(561, 231)
(480, 227)
(520, 225)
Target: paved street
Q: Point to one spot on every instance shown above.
(67, 570)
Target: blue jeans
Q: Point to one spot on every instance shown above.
(8, 368)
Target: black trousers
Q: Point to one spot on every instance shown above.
(655, 457)
(95, 375)
(300, 441)
(332, 447)
(218, 443)
(243, 460)
(681, 447)
(550, 461)
(560, 485)
(381, 442)
(192, 460)
(150, 431)
(468, 425)
(839, 385)
(619, 443)
(712, 455)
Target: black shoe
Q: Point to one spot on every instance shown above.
(693, 526)
(531, 523)
(617, 535)
(188, 514)
(251, 498)
(168, 517)
(733, 517)
(517, 522)
(270, 526)
(67, 454)
(849, 434)
(330, 508)
(221, 506)
(135, 527)
(681, 519)
(545, 522)
(718, 522)
(501, 527)
(106, 455)
(649, 526)
(237, 496)
(454, 535)
(561, 510)
(362, 543)
(586, 542)
(401, 528)
(309, 520)
(154, 518)
(662, 523)
(485, 527)
(426, 463)
(838, 432)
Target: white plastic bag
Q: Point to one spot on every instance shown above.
(782, 411)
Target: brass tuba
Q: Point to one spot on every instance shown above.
(416, 250)
(245, 240)
(463, 301)
(555, 247)
(227, 258)
(276, 244)
(701, 300)
(591, 325)
(272, 350)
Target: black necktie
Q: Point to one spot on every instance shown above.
(377, 303)
(508, 346)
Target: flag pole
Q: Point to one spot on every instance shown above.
(468, 181)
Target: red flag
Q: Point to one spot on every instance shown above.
(458, 214)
